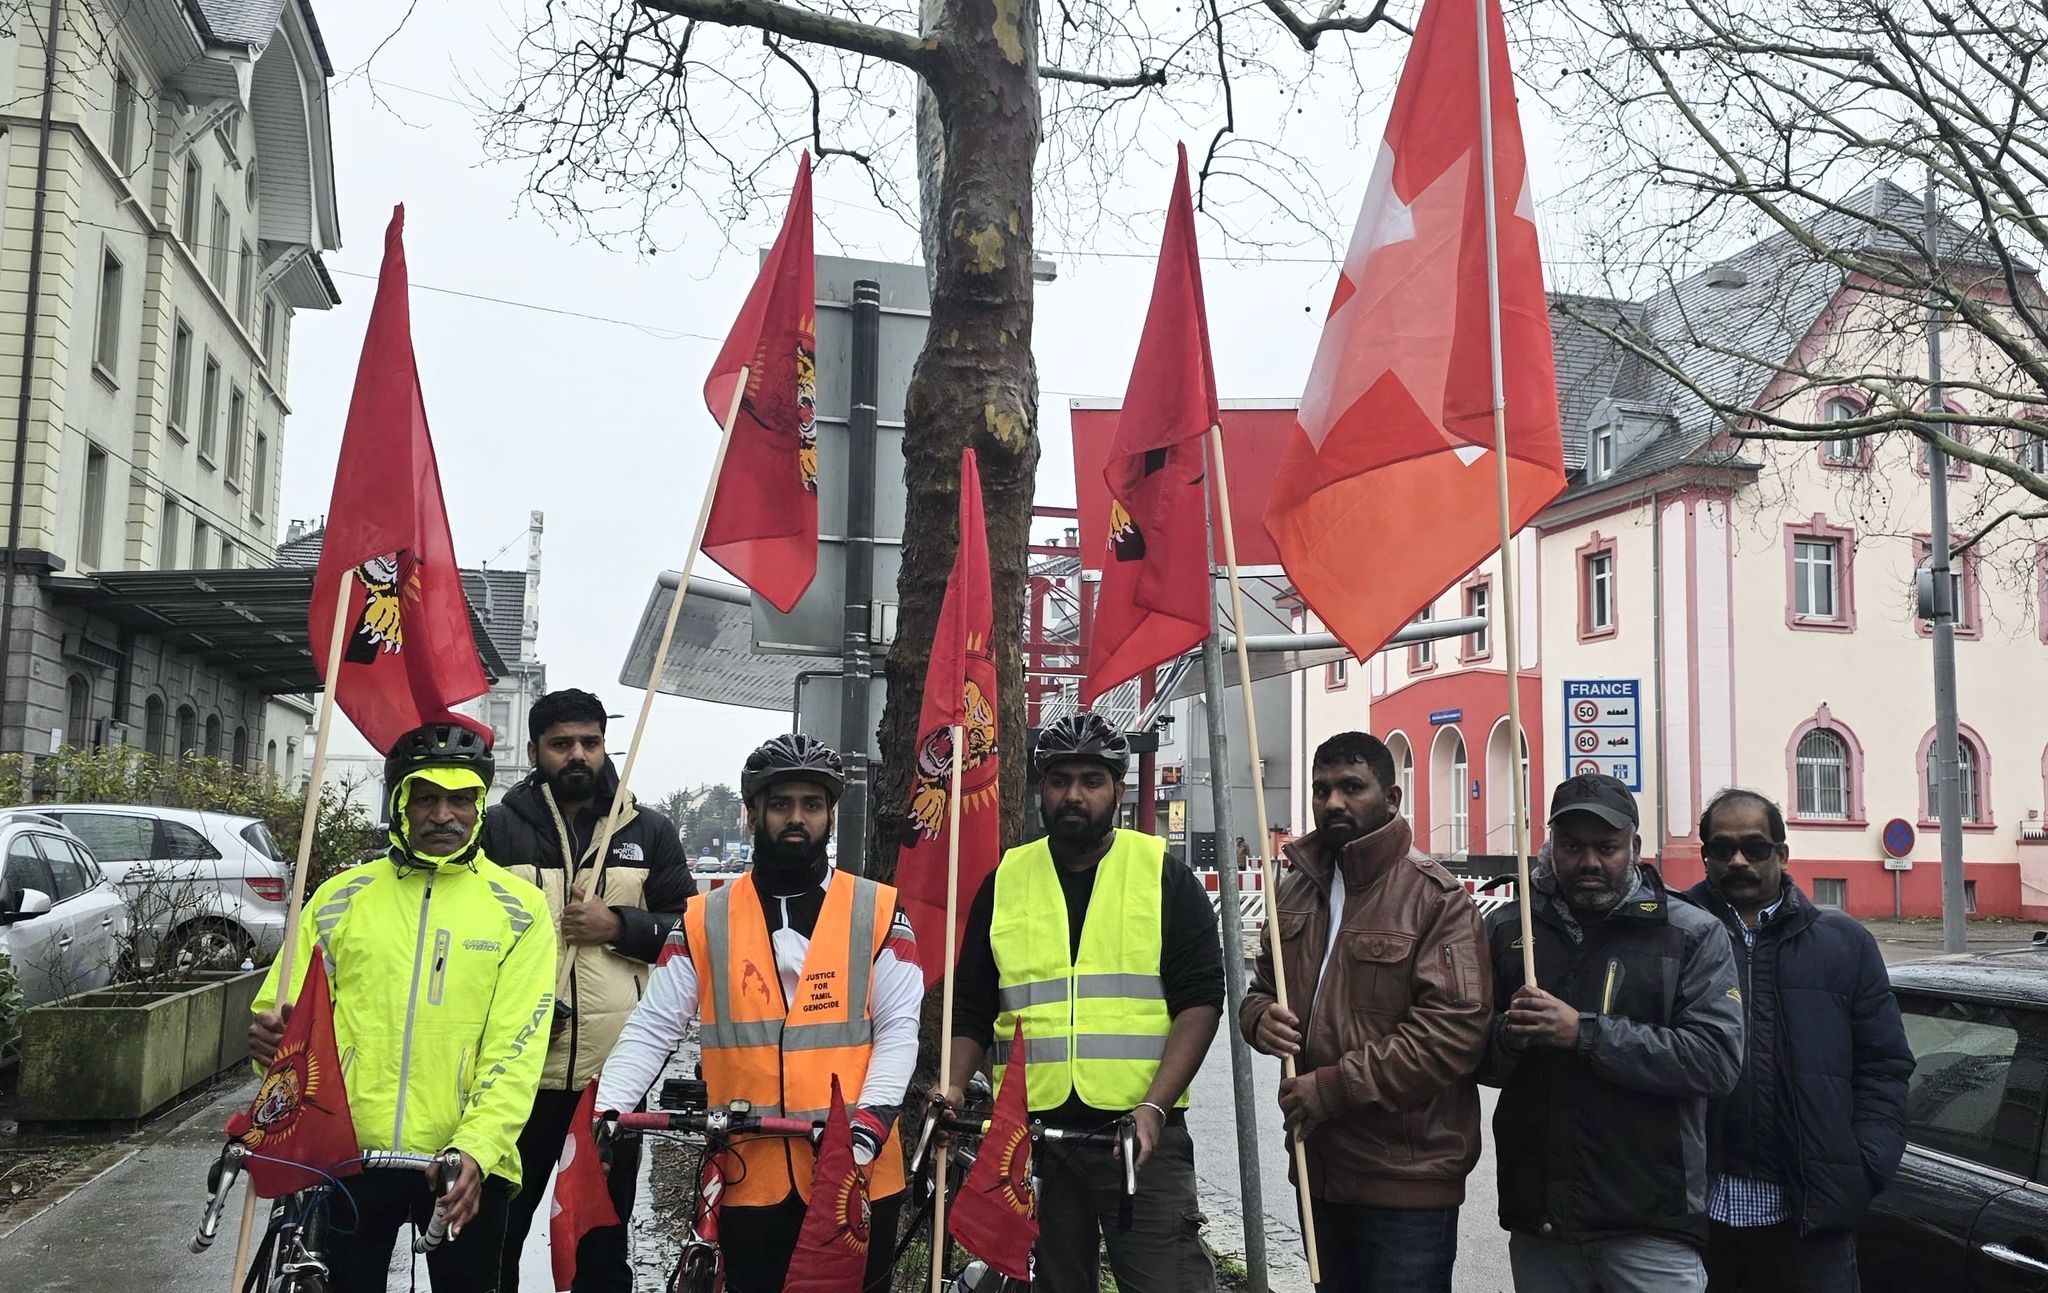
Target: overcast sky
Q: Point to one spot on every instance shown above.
(598, 422)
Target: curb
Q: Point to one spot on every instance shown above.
(68, 1184)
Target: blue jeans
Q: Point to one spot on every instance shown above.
(1385, 1250)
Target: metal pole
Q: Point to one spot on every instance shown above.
(1148, 768)
(857, 667)
(1250, 1191)
(1955, 935)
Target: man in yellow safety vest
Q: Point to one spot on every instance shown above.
(1106, 948)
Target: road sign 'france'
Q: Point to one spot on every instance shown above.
(1603, 729)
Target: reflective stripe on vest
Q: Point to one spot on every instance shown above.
(756, 1045)
(1094, 1025)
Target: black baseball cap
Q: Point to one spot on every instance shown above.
(1600, 795)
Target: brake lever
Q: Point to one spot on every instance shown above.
(1127, 1145)
(220, 1180)
(437, 1226)
(934, 1109)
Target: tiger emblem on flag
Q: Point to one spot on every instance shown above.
(807, 413)
(930, 799)
(380, 628)
(1126, 540)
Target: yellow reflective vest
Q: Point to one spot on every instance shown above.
(1095, 1024)
(444, 985)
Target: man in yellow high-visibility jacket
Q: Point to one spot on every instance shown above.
(1106, 949)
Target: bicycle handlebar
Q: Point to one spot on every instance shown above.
(234, 1157)
(720, 1121)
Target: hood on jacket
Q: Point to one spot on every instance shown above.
(399, 831)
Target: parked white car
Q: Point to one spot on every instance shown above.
(61, 921)
(205, 888)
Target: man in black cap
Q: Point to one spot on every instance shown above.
(1607, 1062)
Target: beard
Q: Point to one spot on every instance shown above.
(1604, 899)
(1076, 829)
(780, 854)
(574, 782)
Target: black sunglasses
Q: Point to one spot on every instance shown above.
(1754, 848)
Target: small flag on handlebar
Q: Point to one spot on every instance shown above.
(995, 1216)
(298, 1130)
(832, 1249)
(583, 1200)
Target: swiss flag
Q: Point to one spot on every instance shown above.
(298, 1128)
(583, 1201)
(1387, 493)
(959, 688)
(1154, 601)
(764, 515)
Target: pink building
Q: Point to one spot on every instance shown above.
(1701, 611)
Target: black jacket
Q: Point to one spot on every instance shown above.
(521, 831)
(1609, 1138)
(1821, 1107)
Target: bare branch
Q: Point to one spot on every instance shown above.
(818, 144)
(1140, 79)
(802, 24)
(1309, 31)
(1984, 531)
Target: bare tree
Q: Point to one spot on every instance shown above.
(629, 108)
(1778, 154)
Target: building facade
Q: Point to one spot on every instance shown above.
(1701, 611)
(186, 195)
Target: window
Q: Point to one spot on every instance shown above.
(1336, 675)
(1461, 803)
(1969, 780)
(66, 868)
(188, 214)
(153, 726)
(269, 329)
(213, 736)
(1478, 643)
(238, 407)
(1596, 588)
(1957, 468)
(1820, 576)
(1823, 776)
(1406, 777)
(121, 141)
(1964, 601)
(1846, 451)
(2030, 450)
(1963, 1057)
(115, 837)
(245, 283)
(270, 762)
(106, 346)
(1830, 893)
(181, 842)
(167, 540)
(239, 750)
(201, 533)
(92, 515)
(209, 407)
(227, 553)
(1602, 461)
(26, 870)
(1423, 654)
(259, 476)
(188, 731)
(249, 184)
(78, 712)
(217, 250)
(181, 375)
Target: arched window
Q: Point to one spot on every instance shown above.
(240, 748)
(78, 712)
(1461, 803)
(1823, 763)
(1404, 771)
(213, 736)
(153, 726)
(270, 757)
(188, 731)
(1973, 781)
(1848, 450)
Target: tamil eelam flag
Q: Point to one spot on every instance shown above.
(995, 1214)
(832, 1247)
(298, 1129)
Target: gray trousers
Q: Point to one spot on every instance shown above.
(1162, 1252)
(1630, 1264)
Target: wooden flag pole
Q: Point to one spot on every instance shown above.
(1251, 728)
(1508, 620)
(946, 999)
(668, 636)
(308, 823)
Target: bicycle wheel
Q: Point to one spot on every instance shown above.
(699, 1271)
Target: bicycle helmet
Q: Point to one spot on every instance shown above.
(793, 757)
(453, 744)
(1082, 736)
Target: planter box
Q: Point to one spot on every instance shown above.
(113, 1054)
(237, 992)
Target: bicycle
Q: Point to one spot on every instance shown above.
(683, 1108)
(965, 1132)
(292, 1256)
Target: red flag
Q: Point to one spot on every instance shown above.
(298, 1125)
(1154, 601)
(1392, 451)
(764, 515)
(583, 1201)
(410, 654)
(959, 687)
(994, 1216)
(832, 1249)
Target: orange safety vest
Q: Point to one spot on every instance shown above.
(779, 1056)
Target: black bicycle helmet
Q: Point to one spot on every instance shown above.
(440, 745)
(793, 757)
(1082, 736)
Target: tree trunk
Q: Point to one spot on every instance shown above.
(975, 384)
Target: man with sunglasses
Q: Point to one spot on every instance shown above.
(1607, 1062)
(1816, 1126)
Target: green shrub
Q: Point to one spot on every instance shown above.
(10, 1012)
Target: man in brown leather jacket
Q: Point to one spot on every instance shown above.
(1386, 959)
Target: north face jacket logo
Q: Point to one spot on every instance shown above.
(628, 851)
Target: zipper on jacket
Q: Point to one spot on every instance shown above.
(412, 1006)
(436, 980)
(1613, 985)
